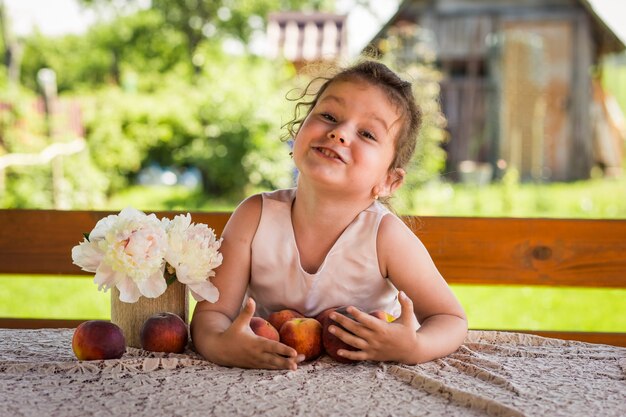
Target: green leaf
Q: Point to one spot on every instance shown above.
(170, 280)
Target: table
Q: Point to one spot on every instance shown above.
(492, 373)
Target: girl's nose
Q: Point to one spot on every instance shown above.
(337, 135)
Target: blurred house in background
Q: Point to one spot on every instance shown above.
(304, 38)
(519, 84)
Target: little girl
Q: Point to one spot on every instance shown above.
(330, 242)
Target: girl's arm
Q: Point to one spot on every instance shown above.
(424, 297)
(220, 332)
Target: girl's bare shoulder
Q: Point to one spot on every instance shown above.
(392, 228)
(244, 221)
(397, 241)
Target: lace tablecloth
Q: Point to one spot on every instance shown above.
(493, 373)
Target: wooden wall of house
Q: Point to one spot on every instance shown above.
(491, 113)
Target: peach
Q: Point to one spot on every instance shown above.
(164, 332)
(98, 339)
(304, 335)
(263, 328)
(278, 318)
(324, 315)
(382, 315)
(331, 342)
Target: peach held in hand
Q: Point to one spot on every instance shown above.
(98, 339)
(331, 342)
(321, 317)
(164, 332)
(278, 318)
(304, 335)
(383, 315)
(263, 328)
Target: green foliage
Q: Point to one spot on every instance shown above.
(598, 198)
(138, 43)
(82, 186)
(143, 102)
(3, 76)
(241, 122)
(200, 21)
(215, 124)
(23, 131)
(163, 197)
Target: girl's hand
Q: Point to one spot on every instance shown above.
(376, 339)
(239, 346)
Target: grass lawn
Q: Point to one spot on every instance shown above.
(488, 307)
(598, 198)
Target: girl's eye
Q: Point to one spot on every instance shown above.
(368, 135)
(329, 117)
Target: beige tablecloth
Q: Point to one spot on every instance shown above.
(493, 373)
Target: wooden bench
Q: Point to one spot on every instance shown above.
(488, 251)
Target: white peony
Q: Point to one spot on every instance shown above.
(193, 252)
(126, 251)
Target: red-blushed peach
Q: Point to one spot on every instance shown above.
(382, 315)
(164, 332)
(321, 317)
(98, 339)
(278, 318)
(331, 342)
(263, 328)
(304, 335)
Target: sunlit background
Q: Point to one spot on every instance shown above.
(111, 103)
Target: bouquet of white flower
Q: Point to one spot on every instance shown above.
(135, 252)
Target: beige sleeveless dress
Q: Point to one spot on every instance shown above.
(349, 275)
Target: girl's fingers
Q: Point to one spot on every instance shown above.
(278, 348)
(355, 355)
(243, 319)
(268, 354)
(348, 337)
(352, 326)
(366, 320)
(407, 314)
(271, 361)
(346, 322)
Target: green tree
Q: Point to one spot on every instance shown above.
(200, 20)
(137, 43)
(227, 124)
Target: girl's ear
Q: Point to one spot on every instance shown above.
(395, 178)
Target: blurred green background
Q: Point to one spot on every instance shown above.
(178, 112)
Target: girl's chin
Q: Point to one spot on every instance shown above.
(322, 179)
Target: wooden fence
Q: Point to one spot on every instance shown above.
(488, 251)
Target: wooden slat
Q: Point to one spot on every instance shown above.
(41, 241)
(588, 253)
(615, 339)
(554, 252)
(14, 323)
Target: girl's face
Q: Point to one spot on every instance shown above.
(347, 141)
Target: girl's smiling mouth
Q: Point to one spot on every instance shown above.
(328, 153)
